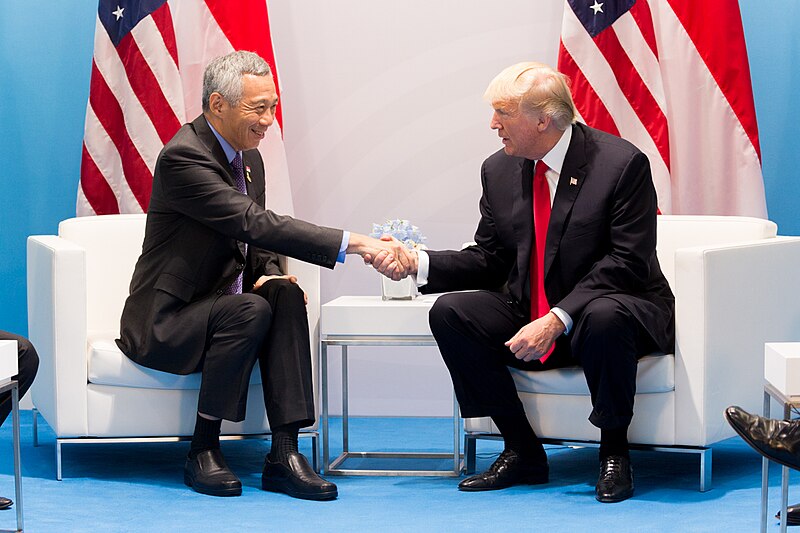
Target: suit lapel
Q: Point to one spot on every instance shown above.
(522, 211)
(208, 138)
(569, 185)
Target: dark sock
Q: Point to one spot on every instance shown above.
(284, 440)
(206, 435)
(518, 436)
(614, 442)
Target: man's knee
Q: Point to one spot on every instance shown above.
(444, 313)
(604, 316)
(285, 289)
(254, 313)
(28, 358)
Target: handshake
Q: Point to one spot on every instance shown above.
(387, 255)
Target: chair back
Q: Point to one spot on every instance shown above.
(112, 244)
(685, 231)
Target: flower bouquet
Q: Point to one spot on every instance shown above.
(408, 234)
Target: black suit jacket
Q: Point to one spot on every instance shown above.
(601, 240)
(196, 223)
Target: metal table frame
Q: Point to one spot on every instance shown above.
(788, 402)
(14, 388)
(332, 467)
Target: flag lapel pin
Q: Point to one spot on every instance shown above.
(247, 173)
(573, 181)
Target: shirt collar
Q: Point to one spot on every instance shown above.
(230, 153)
(554, 159)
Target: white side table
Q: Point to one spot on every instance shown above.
(371, 321)
(8, 368)
(781, 383)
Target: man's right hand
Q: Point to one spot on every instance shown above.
(387, 255)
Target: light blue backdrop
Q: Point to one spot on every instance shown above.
(45, 62)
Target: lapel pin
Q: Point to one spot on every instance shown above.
(247, 173)
(573, 181)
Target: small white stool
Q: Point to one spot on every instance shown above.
(781, 383)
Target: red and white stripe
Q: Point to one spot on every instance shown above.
(144, 89)
(672, 77)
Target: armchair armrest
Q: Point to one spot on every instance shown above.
(729, 301)
(57, 327)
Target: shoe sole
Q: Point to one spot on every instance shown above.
(286, 488)
(529, 481)
(791, 521)
(231, 491)
(753, 445)
(618, 499)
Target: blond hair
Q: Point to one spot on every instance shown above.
(534, 88)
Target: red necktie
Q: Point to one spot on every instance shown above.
(541, 218)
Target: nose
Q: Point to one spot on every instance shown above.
(267, 118)
(494, 123)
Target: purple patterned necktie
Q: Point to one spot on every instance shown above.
(238, 173)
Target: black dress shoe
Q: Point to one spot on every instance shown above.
(509, 469)
(208, 473)
(792, 515)
(615, 483)
(5, 503)
(295, 477)
(778, 440)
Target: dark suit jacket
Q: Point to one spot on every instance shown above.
(196, 224)
(601, 238)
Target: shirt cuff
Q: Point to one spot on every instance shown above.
(564, 318)
(343, 247)
(423, 266)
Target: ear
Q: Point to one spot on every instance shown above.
(543, 122)
(216, 103)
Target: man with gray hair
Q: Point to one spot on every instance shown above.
(566, 271)
(208, 293)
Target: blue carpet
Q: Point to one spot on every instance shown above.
(139, 487)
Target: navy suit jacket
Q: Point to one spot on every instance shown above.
(601, 239)
(196, 223)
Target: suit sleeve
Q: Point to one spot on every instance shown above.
(625, 268)
(194, 187)
(484, 265)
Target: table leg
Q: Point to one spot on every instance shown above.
(345, 410)
(765, 475)
(787, 414)
(456, 434)
(325, 433)
(784, 497)
(17, 458)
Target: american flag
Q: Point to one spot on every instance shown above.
(672, 77)
(147, 72)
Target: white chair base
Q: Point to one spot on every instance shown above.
(313, 434)
(471, 438)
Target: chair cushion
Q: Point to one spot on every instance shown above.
(656, 373)
(109, 366)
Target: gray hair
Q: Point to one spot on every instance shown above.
(535, 88)
(224, 75)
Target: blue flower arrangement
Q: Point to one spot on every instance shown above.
(402, 230)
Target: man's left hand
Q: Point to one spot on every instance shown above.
(535, 339)
(263, 279)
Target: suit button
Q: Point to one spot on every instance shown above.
(239, 267)
(219, 292)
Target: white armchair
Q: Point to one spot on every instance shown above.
(86, 389)
(736, 287)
